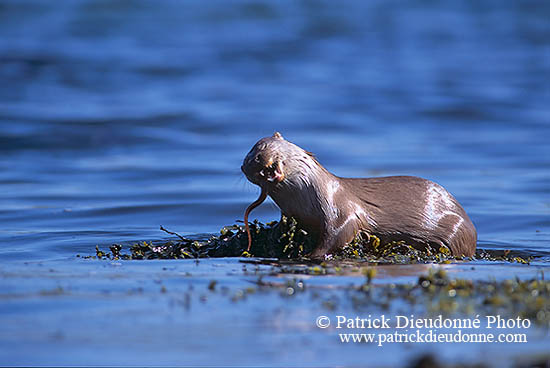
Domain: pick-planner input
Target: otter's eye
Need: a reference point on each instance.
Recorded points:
(257, 159)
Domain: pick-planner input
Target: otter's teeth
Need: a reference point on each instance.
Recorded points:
(262, 173)
(276, 176)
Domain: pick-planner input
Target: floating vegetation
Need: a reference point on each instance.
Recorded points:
(284, 246)
(286, 240)
(368, 247)
(282, 240)
(434, 294)
(440, 294)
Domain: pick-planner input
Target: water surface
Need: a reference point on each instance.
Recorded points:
(118, 117)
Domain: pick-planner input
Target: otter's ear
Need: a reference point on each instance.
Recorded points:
(277, 135)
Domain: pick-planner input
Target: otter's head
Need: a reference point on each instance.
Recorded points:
(263, 165)
(274, 160)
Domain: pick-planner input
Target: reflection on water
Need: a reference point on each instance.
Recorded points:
(117, 117)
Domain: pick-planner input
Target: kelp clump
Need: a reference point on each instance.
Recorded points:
(285, 239)
(370, 248)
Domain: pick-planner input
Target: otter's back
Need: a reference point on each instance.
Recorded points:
(417, 210)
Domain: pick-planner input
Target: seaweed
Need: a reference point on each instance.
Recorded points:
(433, 294)
(278, 239)
(440, 294)
(287, 240)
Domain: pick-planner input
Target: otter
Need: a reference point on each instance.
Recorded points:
(333, 209)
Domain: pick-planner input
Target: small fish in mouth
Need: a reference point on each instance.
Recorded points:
(256, 203)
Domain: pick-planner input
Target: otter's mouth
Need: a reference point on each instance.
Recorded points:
(270, 172)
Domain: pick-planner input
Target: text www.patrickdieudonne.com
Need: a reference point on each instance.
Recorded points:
(409, 329)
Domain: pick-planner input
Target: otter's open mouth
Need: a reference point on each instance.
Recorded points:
(272, 172)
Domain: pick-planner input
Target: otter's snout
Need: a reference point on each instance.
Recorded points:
(259, 170)
(262, 165)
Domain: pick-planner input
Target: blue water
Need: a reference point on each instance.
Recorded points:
(117, 117)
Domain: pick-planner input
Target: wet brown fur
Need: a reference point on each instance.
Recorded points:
(334, 209)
